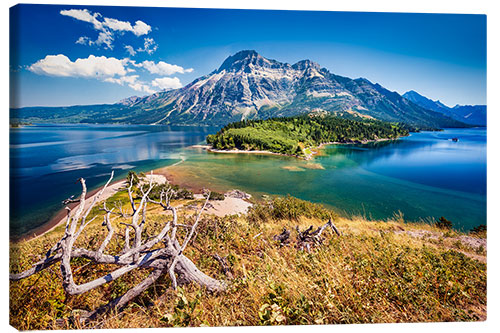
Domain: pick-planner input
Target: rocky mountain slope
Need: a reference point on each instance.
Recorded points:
(469, 114)
(249, 86)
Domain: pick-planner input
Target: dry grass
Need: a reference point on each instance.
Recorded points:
(373, 273)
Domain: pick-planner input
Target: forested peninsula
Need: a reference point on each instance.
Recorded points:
(297, 135)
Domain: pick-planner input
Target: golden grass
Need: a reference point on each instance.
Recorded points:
(374, 273)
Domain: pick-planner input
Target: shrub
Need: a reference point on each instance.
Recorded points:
(184, 193)
(216, 196)
(289, 208)
(443, 223)
(480, 230)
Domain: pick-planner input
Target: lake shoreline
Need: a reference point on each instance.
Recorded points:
(60, 217)
(200, 181)
(229, 205)
(267, 152)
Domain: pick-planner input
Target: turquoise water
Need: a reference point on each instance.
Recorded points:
(425, 175)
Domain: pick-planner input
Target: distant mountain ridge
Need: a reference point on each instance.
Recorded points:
(469, 114)
(249, 86)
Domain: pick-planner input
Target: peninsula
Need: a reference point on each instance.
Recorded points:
(296, 136)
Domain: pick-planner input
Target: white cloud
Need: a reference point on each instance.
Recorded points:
(140, 28)
(123, 79)
(139, 86)
(91, 67)
(115, 24)
(112, 70)
(163, 68)
(106, 38)
(130, 50)
(133, 82)
(106, 26)
(84, 40)
(85, 16)
(167, 83)
(150, 46)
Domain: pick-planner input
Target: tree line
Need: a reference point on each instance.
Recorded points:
(291, 135)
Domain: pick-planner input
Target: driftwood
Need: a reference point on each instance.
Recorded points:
(136, 253)
(307, 238)
(283, 238)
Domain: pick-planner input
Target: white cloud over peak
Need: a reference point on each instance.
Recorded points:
(139, 86)
(133, 82)
(91, 67)
(166, 83)
(163, 68)
(106, 27)
(123, 79)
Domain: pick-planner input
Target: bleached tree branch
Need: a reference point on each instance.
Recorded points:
(168, 259)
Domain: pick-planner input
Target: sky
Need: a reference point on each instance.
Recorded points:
(72, 55)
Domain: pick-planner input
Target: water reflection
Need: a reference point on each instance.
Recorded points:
(46, 160)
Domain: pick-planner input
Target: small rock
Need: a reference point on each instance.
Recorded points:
(237, 194)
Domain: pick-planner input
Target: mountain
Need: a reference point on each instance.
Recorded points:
(249, 86)
(469, 114)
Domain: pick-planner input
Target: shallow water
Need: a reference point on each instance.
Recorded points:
(424, 175)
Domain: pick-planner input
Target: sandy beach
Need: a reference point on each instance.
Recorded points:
(229, 206)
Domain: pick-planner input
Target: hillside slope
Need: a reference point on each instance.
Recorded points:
(375, 272)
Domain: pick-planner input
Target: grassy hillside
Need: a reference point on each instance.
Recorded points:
(292, 135)
(383, 271)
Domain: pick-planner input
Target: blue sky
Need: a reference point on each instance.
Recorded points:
(68, 55)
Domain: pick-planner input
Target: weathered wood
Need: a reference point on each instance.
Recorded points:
(283, 238)
(138, 255)
(308, 238)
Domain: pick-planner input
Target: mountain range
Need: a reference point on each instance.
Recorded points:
(250, 86)
(469, 114)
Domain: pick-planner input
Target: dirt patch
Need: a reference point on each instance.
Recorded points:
(474, 243)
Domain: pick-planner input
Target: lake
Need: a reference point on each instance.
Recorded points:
(425, 175)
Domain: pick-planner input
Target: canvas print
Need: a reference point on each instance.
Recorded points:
(226, 167)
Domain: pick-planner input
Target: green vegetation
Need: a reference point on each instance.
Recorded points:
(375, 272)
(295, 135)
(216, 196)
(287, 208)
